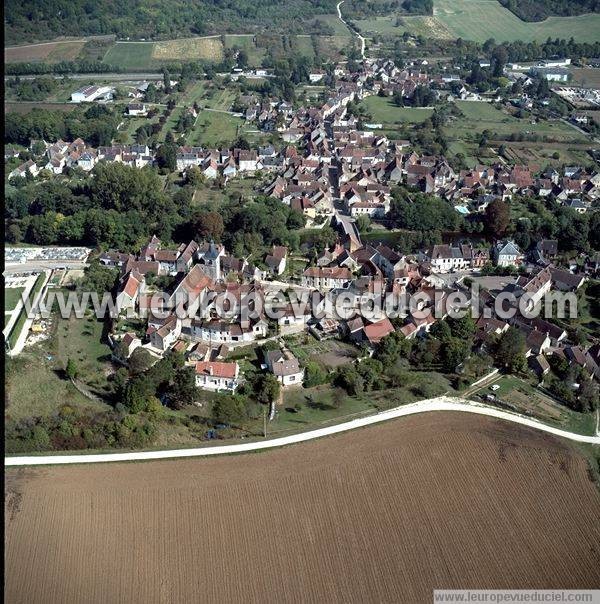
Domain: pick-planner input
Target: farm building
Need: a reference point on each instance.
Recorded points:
(87, 94)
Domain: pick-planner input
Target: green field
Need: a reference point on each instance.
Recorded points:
(131, 55)
(479, 116)
(383, 111)
(480, 20)
(12, 296)
(215, 128)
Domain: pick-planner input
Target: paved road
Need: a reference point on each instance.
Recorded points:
(42, 265)
(436, 404)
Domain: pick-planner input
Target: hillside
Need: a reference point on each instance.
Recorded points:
(538, 10)
(157, 19)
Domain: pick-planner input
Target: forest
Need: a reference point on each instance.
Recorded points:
(142, 19)
(538, 10)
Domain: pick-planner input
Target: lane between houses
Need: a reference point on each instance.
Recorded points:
(437, 404)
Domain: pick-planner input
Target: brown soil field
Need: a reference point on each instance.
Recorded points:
(382, 514)
(50, 52)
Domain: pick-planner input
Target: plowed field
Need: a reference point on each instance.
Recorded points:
(382, 514)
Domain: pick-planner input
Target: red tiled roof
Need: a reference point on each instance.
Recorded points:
(217, 369)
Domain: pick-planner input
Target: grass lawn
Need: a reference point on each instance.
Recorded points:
(132, 124)
(214, 128)
(35, 387)
(131, 55)
(80, 340)
(479, 20)
(247, 43)
(383, 111)
(12, 297)
(528, 399)
(480, 116)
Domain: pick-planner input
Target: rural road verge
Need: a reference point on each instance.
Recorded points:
(436, 404)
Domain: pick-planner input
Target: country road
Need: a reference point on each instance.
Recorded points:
(437, 404)
(362, 40)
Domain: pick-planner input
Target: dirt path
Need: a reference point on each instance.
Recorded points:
(362, 40)
(442, 403)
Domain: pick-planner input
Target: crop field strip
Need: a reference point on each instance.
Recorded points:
(383, 514)
(479, 20)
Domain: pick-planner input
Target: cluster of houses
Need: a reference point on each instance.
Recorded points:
(78, 154)
(361, 273)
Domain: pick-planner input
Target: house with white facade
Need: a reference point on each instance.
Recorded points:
(216, 375)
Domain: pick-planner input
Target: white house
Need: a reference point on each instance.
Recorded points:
(507, 253)
(137, 110)
(215, 375)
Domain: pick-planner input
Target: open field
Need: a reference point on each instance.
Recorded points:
(213, 128)
(383, 514)
(48, 52)
(588, 77)
(384, 111)
(131, 55)
(207, 49)
(479, 20)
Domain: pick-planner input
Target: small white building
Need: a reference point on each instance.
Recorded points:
(216, 375)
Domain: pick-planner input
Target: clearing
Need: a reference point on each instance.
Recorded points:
(47, 52)
(479, 20)
(386, 513)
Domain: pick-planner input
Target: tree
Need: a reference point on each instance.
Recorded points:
(194, 176)
(166, 156)
(229, 410)
(510, 350)
(497, 218)
(348, 378)
(314, 374)
(184, 390)
(463, 328)
(363, 223)
(454, 353)
(209, 225)
(71, 370)
(140, 361)
(267, 388)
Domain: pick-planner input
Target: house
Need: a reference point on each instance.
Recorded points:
(247, 161)
(375, 332)
(132, 285)
(163, 337)
(217, 375)
(129, 342)
(537, 342)
(539, 365)
(137, 110)
(446, 258)
(507, 253)
(336, 277)
(276, 260)
(285, 367)
(29, 167)
(566, 281)
(316, 75)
